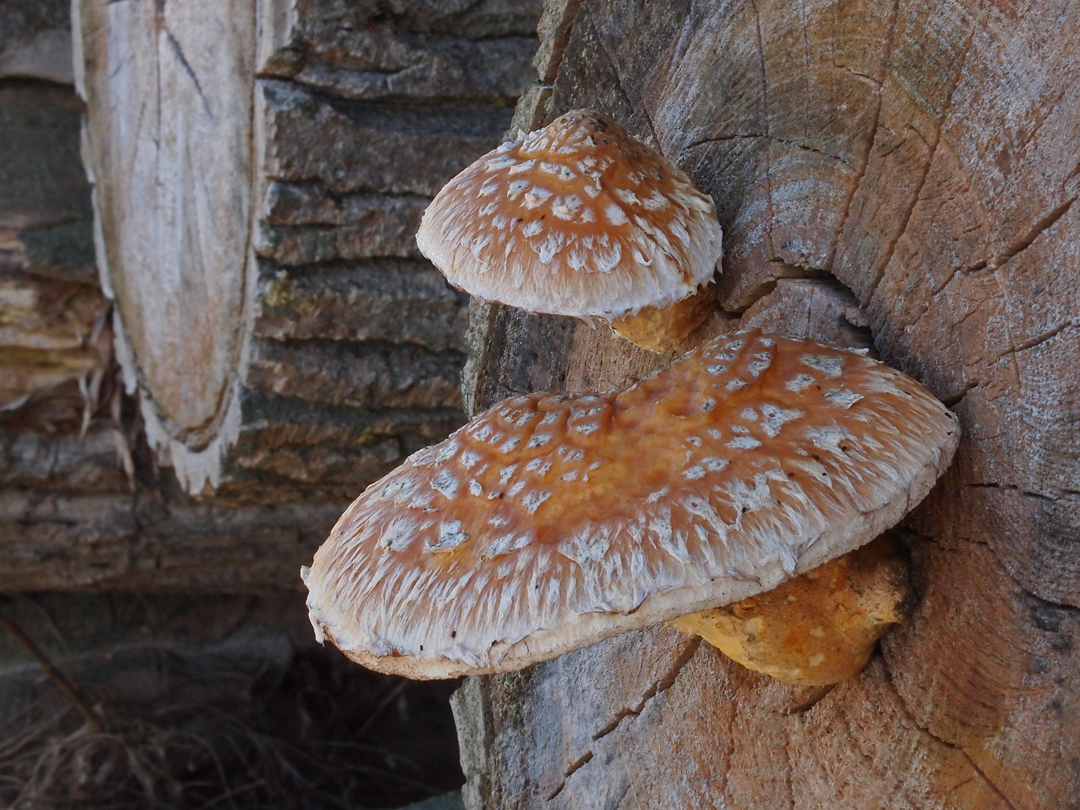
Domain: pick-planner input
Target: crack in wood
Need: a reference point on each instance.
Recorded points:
(864, 160)
(982, 264)
(1040, 227)
(721, 139)
(875, 126)
(1040, 339)
(967, 315)
(657, 688)
(811, 702)
(879, 273)
(622, 88)
(958, 397)
(1072, 610)
(795, 272)
(979, 771)
(807, 94)
(871, 80)
(1014, 488)
(617, 803)
(789, 777)
(770, 214)
(178, 52)
(575, 766)
(770, 139)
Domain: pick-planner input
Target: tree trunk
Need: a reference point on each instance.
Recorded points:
(897, 174)
(260, 170)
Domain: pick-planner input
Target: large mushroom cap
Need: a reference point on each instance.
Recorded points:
(577, 219)
(553, 521)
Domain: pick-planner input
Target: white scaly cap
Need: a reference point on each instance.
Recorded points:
(550, 522)
(576, 219)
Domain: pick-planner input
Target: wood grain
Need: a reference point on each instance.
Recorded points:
(260, 171)
(349, 342)
(163, 82)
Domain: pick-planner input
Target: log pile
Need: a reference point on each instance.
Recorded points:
(285, 337)
(281, 219)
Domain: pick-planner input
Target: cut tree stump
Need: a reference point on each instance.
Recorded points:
(259, 173)
(896, 175)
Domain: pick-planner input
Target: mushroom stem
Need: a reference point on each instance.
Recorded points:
(819, 628)
(661, 329)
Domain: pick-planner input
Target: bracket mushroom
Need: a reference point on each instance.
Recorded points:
(552, 521)
(580, 219)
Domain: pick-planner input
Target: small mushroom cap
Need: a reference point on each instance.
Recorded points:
(576, 219)
(551, 522)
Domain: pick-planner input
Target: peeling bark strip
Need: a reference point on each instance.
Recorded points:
(259, 171)
(900, 176)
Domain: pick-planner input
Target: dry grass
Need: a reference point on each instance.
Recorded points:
(159, 728)
(195, 759)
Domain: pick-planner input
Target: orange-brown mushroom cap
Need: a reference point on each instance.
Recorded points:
(576, 219)
(550, 522)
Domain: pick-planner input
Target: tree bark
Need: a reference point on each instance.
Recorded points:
(260, 171)
(897, 175)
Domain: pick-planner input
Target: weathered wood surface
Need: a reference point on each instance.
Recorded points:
(71, 518)
(260, 173)
(896, 173)
(356, 342)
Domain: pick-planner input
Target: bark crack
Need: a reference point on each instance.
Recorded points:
(657, 688)
(1041, 226)
(864, 161)
(879, 271)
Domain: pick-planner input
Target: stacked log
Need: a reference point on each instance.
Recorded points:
(347, 346)
(259, 176)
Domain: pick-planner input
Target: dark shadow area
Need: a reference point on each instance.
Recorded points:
(223, 702)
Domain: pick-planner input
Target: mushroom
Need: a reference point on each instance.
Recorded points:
(580, 219)
(819, 628)
(552, 521)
